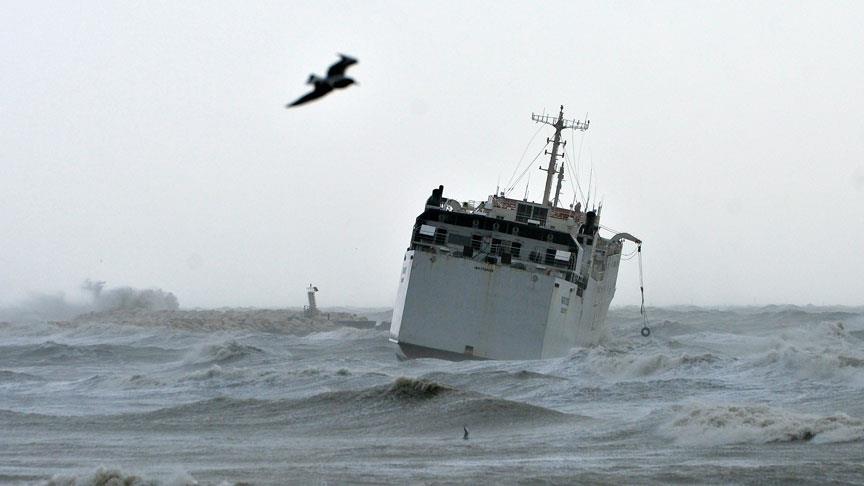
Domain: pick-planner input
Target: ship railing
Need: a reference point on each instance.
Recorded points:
(569, 272)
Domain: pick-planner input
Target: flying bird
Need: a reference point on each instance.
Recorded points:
(335, 79)
(465, 428)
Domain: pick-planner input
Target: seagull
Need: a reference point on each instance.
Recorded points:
(335, 79)
(466, 432)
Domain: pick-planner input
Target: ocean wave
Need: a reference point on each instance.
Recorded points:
(143, 381)
(822, 351)
(800, 316)
(7, 376)
(104, 476)
(634, 363)
(810, 362)
(517, 384)
(709, 425)
(340, 333)
(50, 352)
(850, 361)
(236, 377)
(222, 353)
(232, 351)
(411, 388)
(405, 406)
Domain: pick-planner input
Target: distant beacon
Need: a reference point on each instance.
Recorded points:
(311, 310)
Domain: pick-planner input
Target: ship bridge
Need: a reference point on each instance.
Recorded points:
(505, 231)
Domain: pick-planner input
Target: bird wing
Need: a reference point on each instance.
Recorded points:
(321, 89)
(338, 69)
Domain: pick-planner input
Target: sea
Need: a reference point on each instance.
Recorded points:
(727, 395)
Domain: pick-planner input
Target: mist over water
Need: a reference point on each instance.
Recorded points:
(92, 298)
(742, 395)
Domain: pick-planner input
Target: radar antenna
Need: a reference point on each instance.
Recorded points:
(559, 125)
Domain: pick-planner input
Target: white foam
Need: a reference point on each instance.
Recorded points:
(104, 476)
(631, 363)
(708, 425)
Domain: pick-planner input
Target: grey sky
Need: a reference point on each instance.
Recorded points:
(146, 143)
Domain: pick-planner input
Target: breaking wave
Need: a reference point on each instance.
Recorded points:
(222, 353)
(231, 351)
(822, 351)
(406, 388)
(615, 363)
(759, 424)
(103, 476)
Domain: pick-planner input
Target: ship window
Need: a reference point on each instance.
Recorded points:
(524, 212)
(496, 246)
(440, 236)
(425, 233)
(550, 256)
(515, 248)
(540, 214)
(457, 239)
(476, 241)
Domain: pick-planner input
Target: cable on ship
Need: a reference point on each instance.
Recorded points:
(646, 331)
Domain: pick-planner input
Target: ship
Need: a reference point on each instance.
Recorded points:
(504, 278)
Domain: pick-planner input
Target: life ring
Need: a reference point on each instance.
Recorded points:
(645, 332)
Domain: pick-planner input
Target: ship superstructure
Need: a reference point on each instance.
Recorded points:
(506, 278)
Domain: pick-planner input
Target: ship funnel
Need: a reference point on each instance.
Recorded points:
(436, 197)
(590, 226)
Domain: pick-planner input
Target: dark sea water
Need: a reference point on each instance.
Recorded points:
(767, 395)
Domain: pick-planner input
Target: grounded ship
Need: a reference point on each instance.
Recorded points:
(506, 278)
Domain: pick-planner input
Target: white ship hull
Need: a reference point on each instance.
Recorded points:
(458, 308)
(506, 278)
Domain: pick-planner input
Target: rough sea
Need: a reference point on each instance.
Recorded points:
(770, 395)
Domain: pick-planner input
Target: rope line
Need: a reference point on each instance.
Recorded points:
(519, 164)
(645, 330)
(513, 186)
(574, 177)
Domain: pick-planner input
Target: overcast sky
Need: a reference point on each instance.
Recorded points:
(147, 143)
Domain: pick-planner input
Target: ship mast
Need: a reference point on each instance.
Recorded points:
(559, 125)
(558, 188)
